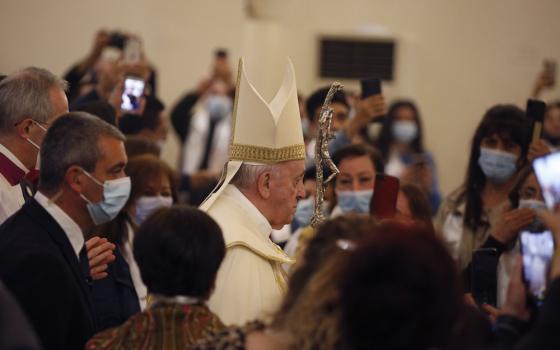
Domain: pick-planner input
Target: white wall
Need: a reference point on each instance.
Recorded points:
(456, 58)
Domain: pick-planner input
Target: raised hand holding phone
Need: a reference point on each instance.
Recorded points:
(371, 108)
(132, 94)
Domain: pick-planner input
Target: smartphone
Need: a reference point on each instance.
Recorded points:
(383, 204)
(370, 87)
(132, 94)
(537, 249)
(484, 276)
(535, 115)
(117, 39)
(132, 50)
(547, 169)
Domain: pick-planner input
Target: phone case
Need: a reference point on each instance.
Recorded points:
(383, 203)
(484, 276)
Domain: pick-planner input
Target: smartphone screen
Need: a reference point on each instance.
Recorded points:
(547, 169)
(484, 276)
(537, 249)
(132, 93)
(383, 203)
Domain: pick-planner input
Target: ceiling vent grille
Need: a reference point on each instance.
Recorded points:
(356, 58)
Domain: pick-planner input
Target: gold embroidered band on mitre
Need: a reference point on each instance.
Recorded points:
(265, 154)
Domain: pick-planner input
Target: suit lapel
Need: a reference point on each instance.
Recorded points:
(47, 222)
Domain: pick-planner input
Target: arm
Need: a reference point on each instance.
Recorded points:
(15, 330)
(77, 72)
(182, 113)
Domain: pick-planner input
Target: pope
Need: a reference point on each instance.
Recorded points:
(261, 185)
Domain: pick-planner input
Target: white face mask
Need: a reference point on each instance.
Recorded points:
(405, 131)
(38, 161)
(146, 205)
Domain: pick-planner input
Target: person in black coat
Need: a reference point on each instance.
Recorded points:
(43, 260)
(16, 332)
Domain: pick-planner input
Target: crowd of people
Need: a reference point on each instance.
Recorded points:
(104, 245)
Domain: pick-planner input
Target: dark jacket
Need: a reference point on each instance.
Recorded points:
(16, 332)
(114, 297)
(40, 268)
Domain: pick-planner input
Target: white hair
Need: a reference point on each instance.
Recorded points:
(26, 93)
(248, 174)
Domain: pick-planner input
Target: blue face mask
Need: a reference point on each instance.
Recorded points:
(405, 131)
(497, 166)
(146, 205)
(115, 196)
(534, 204)
(218, 107)
(304, 211)
(354, 201)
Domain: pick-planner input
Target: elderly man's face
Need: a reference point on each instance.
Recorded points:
(286, 188)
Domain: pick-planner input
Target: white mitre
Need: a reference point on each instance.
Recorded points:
(262, 132)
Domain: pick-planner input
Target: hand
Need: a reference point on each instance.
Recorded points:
(469, 300)
(537, 149)
(511, 222)
(115, 100)
(544, 80)
(491, 312)
(203, 86)
(101, 40)
(139, 69)
(516, 297)
(550, 220)
(367, 110)
(100, 254)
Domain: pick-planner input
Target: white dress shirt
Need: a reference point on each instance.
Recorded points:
(139, 286)
(68, 225)
(11, 197)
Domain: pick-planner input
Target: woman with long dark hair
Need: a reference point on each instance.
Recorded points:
(478, 214)
(401, 144)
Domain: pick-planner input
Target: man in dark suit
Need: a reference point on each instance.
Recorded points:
(43, 260)
(16, 332)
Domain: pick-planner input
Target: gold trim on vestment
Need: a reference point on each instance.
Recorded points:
(265, 154)
(286, 260)
(275, 263)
